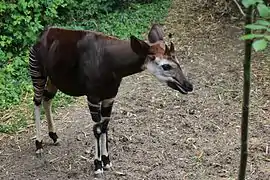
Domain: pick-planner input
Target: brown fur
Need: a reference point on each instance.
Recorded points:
(82, 62)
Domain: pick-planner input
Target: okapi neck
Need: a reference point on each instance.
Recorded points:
(124, 61)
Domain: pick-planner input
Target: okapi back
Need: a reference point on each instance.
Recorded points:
(70, 58)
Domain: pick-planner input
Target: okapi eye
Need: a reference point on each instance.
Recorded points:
(166, 67)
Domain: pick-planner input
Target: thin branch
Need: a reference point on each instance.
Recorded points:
(246, 95)
(239, 7)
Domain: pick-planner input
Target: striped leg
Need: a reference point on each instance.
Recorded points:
(95, 109)
(48, 95)
(39, 81)
(106, 109)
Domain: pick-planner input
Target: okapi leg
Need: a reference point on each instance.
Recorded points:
(39, 147)
(39, 81)
(95, 108)
(106, 109)
(48, 95)
(38, 89)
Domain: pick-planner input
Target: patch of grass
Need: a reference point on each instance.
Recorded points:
(20, 116)
(134, 20)
(13, 126)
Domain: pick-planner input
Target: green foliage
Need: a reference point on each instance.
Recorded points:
(261, 28)
(13, 127)
(260, 44)
(121, 18)
(248, 3)
(134, 20)
(21, 22)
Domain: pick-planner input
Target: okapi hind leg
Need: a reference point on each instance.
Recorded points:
(48, 96)
(39, 81)
(39, 85)
(39, 146)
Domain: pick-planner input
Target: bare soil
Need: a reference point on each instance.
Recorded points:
(157, 133)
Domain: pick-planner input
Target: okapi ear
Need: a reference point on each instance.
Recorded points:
(172, 50)
(138, 46)
(156, 34)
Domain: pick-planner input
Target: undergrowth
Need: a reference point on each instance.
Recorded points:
(16, 106)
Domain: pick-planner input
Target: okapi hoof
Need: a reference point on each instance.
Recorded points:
(54, 137)
(39, 148)
(107, 165)
(98, 168)
(98, 173)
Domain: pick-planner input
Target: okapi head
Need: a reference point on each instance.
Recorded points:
(161, 60)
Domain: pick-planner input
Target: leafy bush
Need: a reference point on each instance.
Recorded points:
(20, 21)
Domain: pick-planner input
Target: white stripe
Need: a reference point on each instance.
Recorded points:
(103, 119)
(107, 102)
(38, 124)
(93, 105)
(32, 59)
(96, 147)
(104, 150)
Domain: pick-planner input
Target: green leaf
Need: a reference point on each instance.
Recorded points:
(267, 37)
(262, 22)
(264, 11)
(248, 3)
(251, 36)
(255, 26)
(259, 44)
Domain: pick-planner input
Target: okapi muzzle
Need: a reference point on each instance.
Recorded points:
(183, 87)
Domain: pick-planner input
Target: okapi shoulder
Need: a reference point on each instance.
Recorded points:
(86, 42)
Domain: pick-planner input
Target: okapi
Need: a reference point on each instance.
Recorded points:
(91, 64)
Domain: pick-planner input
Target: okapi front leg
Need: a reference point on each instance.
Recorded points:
(47, 104)
(106, 109)
(95, 110)
(48, 95)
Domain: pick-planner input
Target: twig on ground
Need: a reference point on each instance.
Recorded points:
(239, 7)
(120, 173)
(52, 160)
(85, 158)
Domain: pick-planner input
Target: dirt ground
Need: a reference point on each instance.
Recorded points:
(157, 133)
